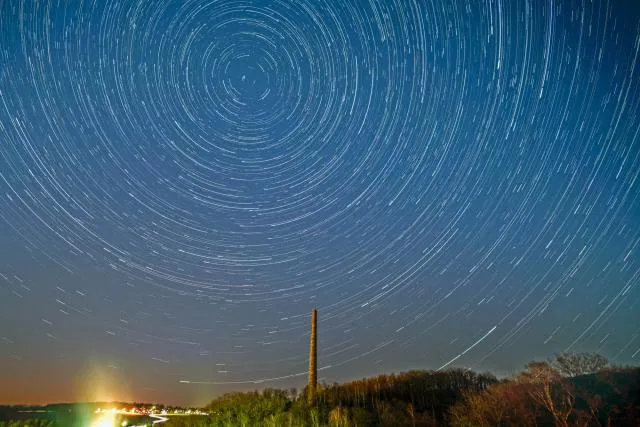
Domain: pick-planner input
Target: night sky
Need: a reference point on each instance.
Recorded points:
(450, 183)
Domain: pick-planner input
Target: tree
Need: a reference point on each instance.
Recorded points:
(574, 364)
(550, 391)
(507, 403)
(360, 417)
(411, 410)
(339, 417)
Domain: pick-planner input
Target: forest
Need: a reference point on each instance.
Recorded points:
(580, 389)
(569, 390)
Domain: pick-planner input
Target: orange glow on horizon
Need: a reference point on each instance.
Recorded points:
(100, 383)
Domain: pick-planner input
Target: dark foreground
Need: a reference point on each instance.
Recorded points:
(571, 390)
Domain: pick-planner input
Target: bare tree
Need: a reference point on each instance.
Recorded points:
(550, 391)
(574, 364)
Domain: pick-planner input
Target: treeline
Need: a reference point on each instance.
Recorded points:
(412, 398)
(570, 390)
(416, 397)
(542, 396)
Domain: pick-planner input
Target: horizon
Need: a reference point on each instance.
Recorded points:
(181, 183)
(299, 392)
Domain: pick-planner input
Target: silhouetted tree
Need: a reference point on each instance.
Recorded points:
(574, 364)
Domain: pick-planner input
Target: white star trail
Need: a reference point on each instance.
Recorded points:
(182, 181)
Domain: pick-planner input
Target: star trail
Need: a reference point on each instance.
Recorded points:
(450, 183)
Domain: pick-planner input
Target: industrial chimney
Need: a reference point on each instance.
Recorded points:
(313, 355)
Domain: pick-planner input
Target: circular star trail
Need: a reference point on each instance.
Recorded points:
(448, 182)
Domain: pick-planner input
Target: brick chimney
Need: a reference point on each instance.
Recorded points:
(313, 355)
